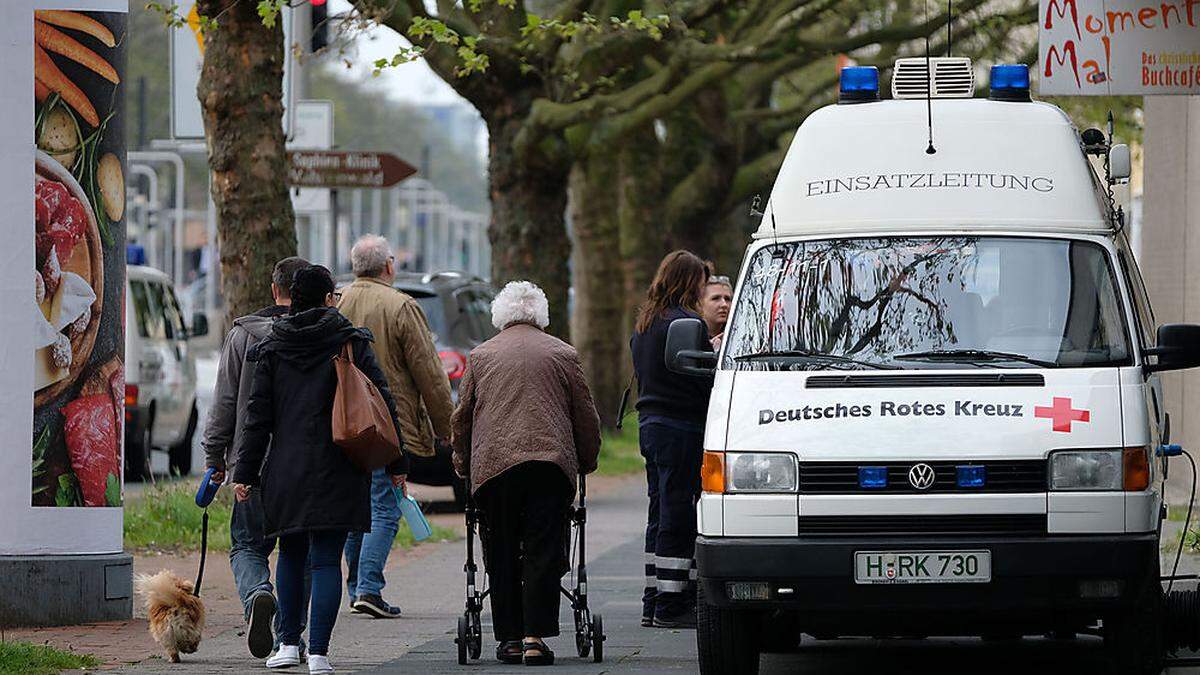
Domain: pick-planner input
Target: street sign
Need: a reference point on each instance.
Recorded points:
(346, 169)
(314, 131)
(1118, 47)
(187, 57)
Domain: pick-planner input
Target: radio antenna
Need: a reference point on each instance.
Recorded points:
(949, 26)
(929, 86)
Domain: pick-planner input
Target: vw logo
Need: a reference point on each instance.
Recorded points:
(922, 476)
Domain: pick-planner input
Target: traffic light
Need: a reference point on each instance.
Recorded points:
(320, 25)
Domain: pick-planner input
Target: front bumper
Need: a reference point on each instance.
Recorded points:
(1034, 579)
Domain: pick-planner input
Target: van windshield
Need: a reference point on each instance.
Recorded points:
(927, 302)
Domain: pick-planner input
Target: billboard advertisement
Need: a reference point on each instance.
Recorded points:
(1119, 47)
(62, 275)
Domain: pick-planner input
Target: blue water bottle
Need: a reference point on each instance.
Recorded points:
(412, 513)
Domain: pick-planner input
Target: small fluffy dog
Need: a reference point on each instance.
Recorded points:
(176, 616)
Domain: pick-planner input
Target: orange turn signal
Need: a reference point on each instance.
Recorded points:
(712, 472)
(1136, 461)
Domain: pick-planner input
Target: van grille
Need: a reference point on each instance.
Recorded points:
(1015, 475)
(925, 380)
(953, 77)
(1014, 524)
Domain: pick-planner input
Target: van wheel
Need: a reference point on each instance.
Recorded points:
(1133, 640)
(181, 452)
(727, 639)
(137, 457)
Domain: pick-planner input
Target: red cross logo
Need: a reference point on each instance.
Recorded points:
(1062, 414)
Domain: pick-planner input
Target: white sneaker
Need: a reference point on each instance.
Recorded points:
(287, 657)
(318, 663)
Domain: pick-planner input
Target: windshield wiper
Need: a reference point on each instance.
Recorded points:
(814, 356)
(973, 355)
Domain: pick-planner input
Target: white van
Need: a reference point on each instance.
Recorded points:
(160, 372)
(937, 408)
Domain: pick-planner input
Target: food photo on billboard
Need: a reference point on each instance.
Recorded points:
(78, 304)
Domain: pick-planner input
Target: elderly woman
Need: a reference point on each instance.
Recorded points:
(526, 427)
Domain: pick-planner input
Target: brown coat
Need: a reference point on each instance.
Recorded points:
(405, 350)
(524, 399)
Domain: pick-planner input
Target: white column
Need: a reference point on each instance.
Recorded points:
(1170, 239)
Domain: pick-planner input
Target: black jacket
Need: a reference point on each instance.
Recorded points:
(660, 391)
(307, 482)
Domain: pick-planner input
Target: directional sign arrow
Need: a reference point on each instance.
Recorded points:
(346, 169)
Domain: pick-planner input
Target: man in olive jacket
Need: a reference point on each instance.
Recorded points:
(404, 348)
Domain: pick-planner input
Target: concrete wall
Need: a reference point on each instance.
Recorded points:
(1170, 241)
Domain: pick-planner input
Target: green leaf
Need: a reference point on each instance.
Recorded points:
(68, 491)
(112, 490)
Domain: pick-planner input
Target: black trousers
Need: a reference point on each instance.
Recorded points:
(673, 456)
(525, 533)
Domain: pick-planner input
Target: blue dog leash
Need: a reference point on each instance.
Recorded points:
(204, 496)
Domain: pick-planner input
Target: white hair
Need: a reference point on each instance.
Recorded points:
(520, 301)
(369, 257)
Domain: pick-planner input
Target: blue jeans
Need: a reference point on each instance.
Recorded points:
(366, 554)
(320, 550)
(249, 554)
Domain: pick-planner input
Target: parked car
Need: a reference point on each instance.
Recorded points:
(160, 373)
(458, 307)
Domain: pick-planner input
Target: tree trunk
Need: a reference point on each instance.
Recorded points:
(599, 325)
(241, 91)
(528, 230)
(643, 238)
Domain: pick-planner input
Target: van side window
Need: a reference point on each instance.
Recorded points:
(158, 304)
(174, 313)
(1141, 299)
(149, 318)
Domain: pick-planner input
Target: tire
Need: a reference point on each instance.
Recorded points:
(727, 639)
(137, 457)
(1133, 641)
(597, 639)
(181, 453)
(780, 633)
(461, 640)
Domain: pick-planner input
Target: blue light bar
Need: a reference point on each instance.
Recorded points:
(971, 476)
(1010, 82)
(858, 84)
(135, 254)
(872, 477)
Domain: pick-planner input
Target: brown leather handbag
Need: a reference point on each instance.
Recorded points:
(362, 423)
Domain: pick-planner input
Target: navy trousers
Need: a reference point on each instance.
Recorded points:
(673, 456)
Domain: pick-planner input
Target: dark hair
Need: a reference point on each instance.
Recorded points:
(285, 270)
(676, 284)
(310, 286)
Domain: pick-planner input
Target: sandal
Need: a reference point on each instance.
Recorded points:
(510, 652)
(537, 653)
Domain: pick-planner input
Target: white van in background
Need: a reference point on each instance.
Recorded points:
(937, 408)
(160, 373)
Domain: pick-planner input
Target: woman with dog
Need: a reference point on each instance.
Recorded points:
(526, 427)
(312, 495)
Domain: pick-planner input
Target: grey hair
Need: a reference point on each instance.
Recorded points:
(369, 257)
(520, 302)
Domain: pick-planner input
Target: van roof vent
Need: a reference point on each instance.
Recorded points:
(953, 77)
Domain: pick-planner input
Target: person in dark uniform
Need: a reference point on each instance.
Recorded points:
(671, 412)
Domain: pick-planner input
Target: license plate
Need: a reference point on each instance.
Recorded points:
(922, 567)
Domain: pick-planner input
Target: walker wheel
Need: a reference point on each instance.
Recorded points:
(583, 640)
(598, 638)
(475, 644)
(461, 640)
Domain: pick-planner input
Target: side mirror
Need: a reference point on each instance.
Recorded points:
(687, 352)
(199, 325)
(1120, 166)
(1178, 347)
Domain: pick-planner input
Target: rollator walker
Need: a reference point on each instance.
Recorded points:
(589, 627)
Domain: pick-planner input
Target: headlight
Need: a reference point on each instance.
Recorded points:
(761, 471)
(1086, 470)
